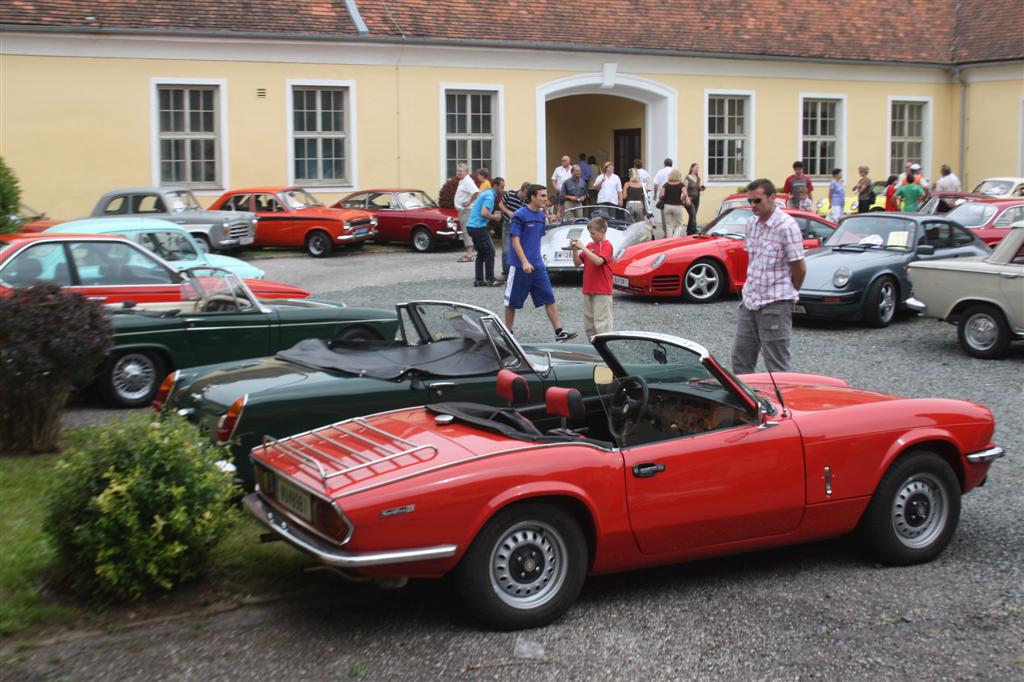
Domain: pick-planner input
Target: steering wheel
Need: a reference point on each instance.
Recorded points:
(580, 221)
(627, 406)
(217, 303)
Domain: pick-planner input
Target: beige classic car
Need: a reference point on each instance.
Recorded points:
(984, 297)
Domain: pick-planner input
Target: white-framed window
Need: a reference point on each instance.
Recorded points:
(321, 133)
(909, 132)
(189, 132)
(729, 137)
(822, 134)
(471, 128)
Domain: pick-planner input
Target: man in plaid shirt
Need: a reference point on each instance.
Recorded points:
(774, 275)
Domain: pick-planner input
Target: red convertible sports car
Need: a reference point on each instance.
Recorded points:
(702, 267)
(406, 215)
(291, 216)
(990, 219)
(674, 459)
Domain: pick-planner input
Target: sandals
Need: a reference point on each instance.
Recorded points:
(467, 259)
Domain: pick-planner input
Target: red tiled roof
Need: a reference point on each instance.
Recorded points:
(916, 31)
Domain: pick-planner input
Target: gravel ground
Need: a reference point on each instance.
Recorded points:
(820, 611)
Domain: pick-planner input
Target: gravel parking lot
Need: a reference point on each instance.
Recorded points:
(818, 611)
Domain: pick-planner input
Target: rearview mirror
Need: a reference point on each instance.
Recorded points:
(603, 376)
(925, 250)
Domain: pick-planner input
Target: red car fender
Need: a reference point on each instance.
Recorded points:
(333, 229)
(931, 436)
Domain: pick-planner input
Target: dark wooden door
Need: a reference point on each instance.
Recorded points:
(627, 148)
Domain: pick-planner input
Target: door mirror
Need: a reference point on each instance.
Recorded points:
(925, 250)
(603, 376)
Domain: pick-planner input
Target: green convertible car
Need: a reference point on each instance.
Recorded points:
(218, 319)
(443, 351)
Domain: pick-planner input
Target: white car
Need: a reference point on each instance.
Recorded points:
(1001, 188)
(623, 232)
(984, 297)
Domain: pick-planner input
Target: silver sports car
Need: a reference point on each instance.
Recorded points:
(623, 232)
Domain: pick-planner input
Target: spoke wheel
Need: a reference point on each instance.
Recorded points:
(422, 240)
(703, 282)
(318, 244)
(880, 302)
(133, 378)
(983, 332)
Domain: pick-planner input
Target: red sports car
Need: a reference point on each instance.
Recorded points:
(702, 267)
(406, 215)
(291, 216)
(674, 459)
(107, 268)
(990, 219)
(740, 201)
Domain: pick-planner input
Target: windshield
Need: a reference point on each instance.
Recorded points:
(216, 290)
(972, 213)
(296, 199)
(182, 201)
(171, 246)
(871, 232)
(733, 223)
(618, 218)
(415, 199)
(994, 187)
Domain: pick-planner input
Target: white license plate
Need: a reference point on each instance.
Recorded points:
(799, 309)
(294, 498)
(362, 230)
(563, 255)
(620, 281)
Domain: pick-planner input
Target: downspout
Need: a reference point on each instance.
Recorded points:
(959, 75)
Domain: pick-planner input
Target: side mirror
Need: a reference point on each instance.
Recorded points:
(925, 250)
(603, 376)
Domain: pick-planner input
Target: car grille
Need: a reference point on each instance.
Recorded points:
(665, 283)
(359, 222)
(239, 230)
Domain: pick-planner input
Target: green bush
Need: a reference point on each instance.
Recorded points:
(137, 508)
(10, 199)
(49, 340)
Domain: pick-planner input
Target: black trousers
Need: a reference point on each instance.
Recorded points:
(484, 253)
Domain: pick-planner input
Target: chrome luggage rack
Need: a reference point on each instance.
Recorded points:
(387, 450)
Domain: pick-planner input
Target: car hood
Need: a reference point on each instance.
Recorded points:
(812, 392)
(822, 263)
(637, 259)
(332, 213)
(268, 288)
(199, 216)
(235, 265)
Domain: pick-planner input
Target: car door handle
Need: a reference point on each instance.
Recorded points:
(439, 386)
(98, 299)
(647, 469)
(1010, 275)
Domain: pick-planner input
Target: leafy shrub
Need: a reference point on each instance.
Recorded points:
(49, 339)
(446, 197)
(138, 507)
(10, 199)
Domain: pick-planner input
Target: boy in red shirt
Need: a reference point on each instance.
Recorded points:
(596, 261)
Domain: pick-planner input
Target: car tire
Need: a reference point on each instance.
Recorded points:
(914, 512)
(703, 282)
(131, 378)
(880, 302)
(357, 334)
(550, 552)
(204, 241)
(983, 332)
(318, 244)
(422, 240)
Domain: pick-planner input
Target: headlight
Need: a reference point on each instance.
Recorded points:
(821, 203)
(658, 260)
(346, 224)
(452, 224)
(841, 277)
(373, 221)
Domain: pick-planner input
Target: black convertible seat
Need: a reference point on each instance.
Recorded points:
(507, 422)
(386, 360)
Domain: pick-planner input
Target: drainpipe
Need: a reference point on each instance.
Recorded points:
(962, 80)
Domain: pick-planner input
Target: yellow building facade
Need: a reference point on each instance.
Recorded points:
(84, 114)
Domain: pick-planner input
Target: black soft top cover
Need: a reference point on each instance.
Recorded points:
(388, 360)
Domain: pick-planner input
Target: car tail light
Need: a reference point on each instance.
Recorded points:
(226, 425)
(164, 391)
(327, 520)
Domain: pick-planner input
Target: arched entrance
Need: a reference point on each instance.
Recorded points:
(657, 113)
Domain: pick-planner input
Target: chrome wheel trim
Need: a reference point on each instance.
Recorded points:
(886, 301)
(132, 376)
(421, 240)
(920, 511)
(528, 565)
(317, 244)
(702, 280)
(981, 331)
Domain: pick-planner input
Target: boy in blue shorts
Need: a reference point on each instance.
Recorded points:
(527, 275)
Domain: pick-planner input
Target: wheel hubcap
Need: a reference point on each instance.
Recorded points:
(919, 512)
(702, 281)
(421, 241)
(528, 565)
(886, 302)
(133, 376)
(981, 331)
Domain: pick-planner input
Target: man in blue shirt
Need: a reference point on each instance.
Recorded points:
(482, 211)
(527, 275)
(585, 171)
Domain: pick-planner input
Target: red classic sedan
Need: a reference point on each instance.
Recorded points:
(106, 268)
(291, 216)
(990, 219)
(674, 459)
(406, 215)
(702, 267)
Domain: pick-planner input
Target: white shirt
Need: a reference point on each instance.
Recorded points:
(948, 183)
(661, 177)
(465, 192)
(608, 188)
(560, 175)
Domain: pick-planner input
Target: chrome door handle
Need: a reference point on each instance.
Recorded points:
(1009, 275)
(647, 469)
(439, 386)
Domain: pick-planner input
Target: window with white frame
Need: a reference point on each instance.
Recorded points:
(470, 130)
(320, 135)
(820, 136)
(906, 134)
(188, 135)
(728, 137)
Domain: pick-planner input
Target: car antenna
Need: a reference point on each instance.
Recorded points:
(778, 393)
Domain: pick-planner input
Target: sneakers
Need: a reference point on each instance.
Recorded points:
(479, 283)
(488, 283)
(562, 335)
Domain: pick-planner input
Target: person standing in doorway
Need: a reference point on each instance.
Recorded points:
(527, 275)
(574, 191)
(634, 196)
(775, 273)
(661, 177)
(608, 186)
(795, 181)
(585, 173)
(693, 189)
(464, 196)
(596, 261)
(483, 210)
(562, 173)
(673, 198)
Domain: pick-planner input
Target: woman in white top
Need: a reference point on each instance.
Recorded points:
(608, 186)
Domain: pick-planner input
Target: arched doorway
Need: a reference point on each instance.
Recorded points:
(608, 102)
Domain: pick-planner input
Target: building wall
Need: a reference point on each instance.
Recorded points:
(76, 121)
(995, 123)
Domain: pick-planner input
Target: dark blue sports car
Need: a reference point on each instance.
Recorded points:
(860, 273)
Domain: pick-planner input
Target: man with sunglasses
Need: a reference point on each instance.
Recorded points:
(775, 272)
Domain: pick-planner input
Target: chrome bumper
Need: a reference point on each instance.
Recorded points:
(989, 455)
(448, 233)
(916, 305)
(332, 556)
(349, 237)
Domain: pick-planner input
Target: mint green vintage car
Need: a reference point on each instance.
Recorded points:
(443, 352)
(219, 320)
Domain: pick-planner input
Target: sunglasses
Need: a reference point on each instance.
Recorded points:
(755, 201)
